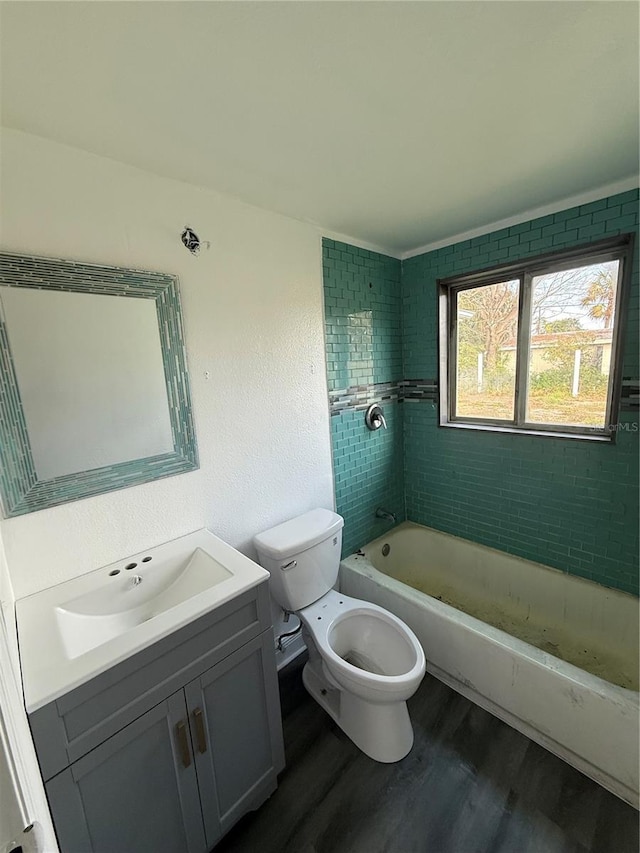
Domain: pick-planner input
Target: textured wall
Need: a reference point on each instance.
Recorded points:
(252, 309)
(364, 365)
(567, 503)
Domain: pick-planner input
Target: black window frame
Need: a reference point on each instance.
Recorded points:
(620, 248)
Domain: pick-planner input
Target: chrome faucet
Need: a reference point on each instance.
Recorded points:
(373, 417)
(382, 513)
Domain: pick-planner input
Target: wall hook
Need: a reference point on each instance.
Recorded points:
(373, 417)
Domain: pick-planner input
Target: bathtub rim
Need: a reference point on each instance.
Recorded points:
(410, 525)
(361, 564)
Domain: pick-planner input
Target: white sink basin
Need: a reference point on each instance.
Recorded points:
(71, 632)
(134, 597)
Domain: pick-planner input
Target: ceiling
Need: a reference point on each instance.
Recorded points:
(396, 123)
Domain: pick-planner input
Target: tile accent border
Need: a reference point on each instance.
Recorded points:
(20, 488)
(360, 397)
(420, 389)
(630, 395)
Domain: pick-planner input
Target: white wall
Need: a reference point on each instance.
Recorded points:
(22, 796)
(253, 323)
(7, 611)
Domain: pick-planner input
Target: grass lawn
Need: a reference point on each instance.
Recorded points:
(545, 407)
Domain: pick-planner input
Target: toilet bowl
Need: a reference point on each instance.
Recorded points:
(364, 662)
(368, 664)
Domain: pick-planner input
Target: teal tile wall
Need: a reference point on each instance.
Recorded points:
(363, 338)
(363, 322)
(368, 472)
(570, 504)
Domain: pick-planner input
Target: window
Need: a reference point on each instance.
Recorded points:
(535, 346)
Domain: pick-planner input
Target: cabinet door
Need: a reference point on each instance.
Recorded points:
(135, 793)
(234, 713)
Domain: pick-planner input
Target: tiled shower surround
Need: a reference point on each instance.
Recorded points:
(566, 503)
(363, 339)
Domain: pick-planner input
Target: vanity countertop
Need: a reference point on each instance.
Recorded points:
(72, 632)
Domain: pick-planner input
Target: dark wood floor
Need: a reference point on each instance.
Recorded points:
(471, 784)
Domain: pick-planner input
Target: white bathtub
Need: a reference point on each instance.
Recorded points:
(584, 708)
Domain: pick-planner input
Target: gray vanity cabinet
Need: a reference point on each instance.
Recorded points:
(233, 727)
(132, 793)
(166, 751)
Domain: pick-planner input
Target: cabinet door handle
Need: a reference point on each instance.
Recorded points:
(183, 743)
(201, 737)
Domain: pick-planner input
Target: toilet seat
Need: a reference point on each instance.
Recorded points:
(366, 649)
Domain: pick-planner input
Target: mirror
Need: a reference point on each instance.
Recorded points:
(94, 392)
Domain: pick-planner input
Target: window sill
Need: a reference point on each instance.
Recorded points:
(602, 437)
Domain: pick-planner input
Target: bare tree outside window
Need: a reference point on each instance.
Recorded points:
(487, 321)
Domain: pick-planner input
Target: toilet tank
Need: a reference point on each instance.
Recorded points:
(302, 556)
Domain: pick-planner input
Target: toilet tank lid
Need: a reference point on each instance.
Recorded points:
(298, 534)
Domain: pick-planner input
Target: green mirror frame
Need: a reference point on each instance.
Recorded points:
(20, 489)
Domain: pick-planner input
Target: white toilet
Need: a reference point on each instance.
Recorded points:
(364, 662)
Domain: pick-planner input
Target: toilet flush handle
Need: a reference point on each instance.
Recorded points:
(290, 565)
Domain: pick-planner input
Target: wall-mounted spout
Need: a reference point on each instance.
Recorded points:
(382, 513)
